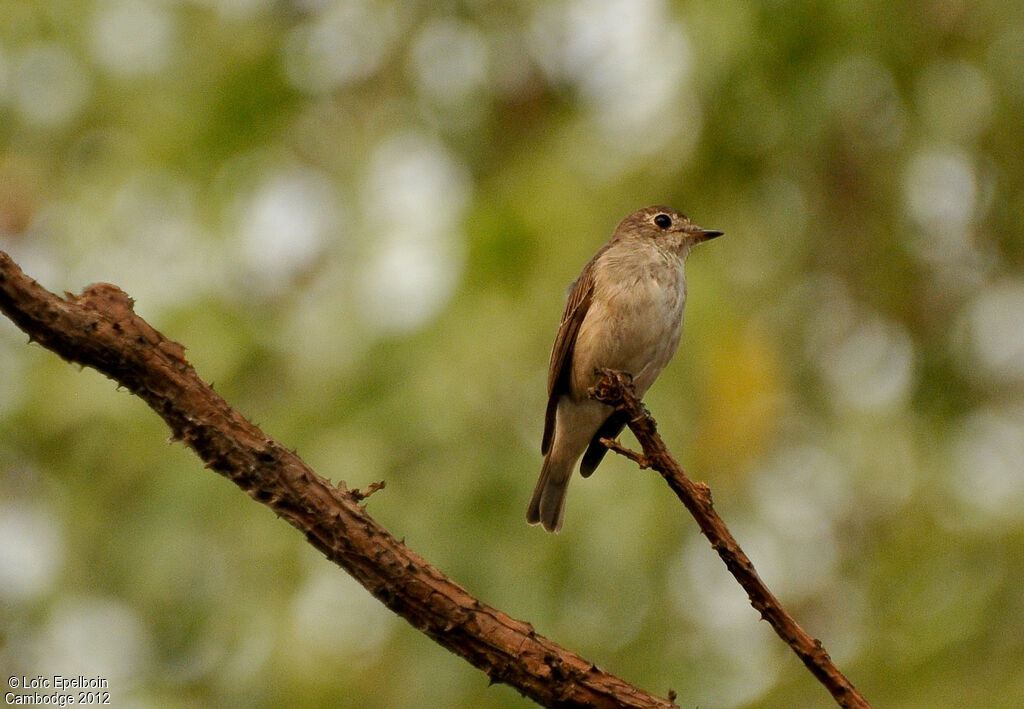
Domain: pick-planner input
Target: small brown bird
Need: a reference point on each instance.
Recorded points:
(624, 312)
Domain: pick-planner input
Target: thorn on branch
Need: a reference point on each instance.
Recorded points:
(704, 492)
(358, 495)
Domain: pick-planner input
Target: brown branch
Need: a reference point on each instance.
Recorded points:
(616, 389)
(99, 329)
(638, 458)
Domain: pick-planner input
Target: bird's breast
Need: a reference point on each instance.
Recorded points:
(633, 324)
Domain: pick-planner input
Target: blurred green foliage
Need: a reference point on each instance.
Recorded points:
(360, 218)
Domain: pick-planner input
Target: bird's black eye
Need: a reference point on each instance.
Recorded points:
(663, 221)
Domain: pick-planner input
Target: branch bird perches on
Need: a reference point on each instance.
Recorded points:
(615, 389)
(100, 329)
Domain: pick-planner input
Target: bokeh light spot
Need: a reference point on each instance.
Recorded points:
(449, 60)
(50, 87)
(343, 43)
(868, 362)
(867, 104)
(333, 616)
(31, 554)
(285, 222)
(987, 455)
(93, 637)
(133, 37)
(955, 99)
(413, 202)
(997, 330)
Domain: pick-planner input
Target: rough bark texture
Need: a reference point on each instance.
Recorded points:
(616, 389)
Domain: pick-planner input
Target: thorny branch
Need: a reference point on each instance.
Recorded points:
(616, 389)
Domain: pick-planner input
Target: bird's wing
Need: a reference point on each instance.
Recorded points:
(560, 367)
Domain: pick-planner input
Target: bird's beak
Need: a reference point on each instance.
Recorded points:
(701, 234)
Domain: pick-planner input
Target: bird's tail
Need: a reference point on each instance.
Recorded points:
(548, 502)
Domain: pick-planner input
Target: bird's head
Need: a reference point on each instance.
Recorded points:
(664, 227)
